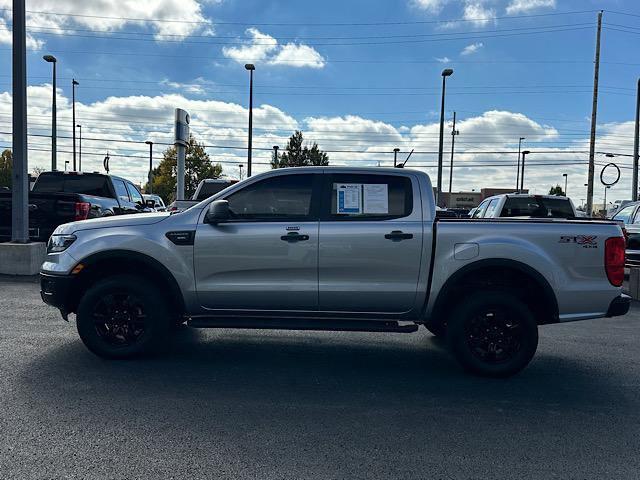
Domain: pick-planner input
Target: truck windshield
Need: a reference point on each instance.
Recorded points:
(537, 207)
(86, 184)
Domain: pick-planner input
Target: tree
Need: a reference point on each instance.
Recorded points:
(557, 190)
(197, 167)
(297, 155)
(6, 163)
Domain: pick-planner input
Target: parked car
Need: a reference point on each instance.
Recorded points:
(62, 197)
(330, 248)
(525, 206)
(206, 188)
(154, 201)
(629, 217)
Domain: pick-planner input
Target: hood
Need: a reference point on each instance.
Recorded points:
(116, 221)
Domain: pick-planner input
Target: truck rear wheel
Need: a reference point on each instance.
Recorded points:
(492, 333)
(121, 317)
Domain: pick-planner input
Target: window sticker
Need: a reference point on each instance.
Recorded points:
(349, 201)
(376, 198)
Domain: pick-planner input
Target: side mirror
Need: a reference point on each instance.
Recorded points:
(218, 212)
(150, 203)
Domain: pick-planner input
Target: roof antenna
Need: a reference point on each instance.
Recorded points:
(407, 159)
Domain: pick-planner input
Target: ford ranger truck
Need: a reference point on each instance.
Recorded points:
(331, 248)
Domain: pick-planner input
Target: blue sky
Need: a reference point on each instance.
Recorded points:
(353, 75)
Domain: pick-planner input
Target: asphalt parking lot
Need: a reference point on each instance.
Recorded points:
(276, 405)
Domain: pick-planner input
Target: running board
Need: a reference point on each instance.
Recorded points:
(302, 324)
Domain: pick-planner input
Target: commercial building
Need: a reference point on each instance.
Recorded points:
(473, 198)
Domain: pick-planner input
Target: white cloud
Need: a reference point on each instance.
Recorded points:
(255, 50)
(444, 59)
(471, 49)
(114, 15)
(525, 6)
(431, 6)
(298, 56)
(478, 14)
(6, 36)
(265, 48)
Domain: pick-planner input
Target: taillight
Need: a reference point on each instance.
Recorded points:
(614, 260)
(82, 210)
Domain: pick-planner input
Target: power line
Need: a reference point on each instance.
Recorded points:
(315, 24)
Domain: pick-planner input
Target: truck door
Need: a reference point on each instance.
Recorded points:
(371, 236)
(266, 256)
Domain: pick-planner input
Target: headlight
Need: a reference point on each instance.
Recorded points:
(59, 243)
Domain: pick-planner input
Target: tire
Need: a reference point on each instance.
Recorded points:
(492, 333)
(122, 316)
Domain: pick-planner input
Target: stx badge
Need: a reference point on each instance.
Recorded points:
(586, 241)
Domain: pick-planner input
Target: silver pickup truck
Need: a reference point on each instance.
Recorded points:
(329, 248)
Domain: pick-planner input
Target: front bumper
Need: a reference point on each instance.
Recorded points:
(56, 291)
(619, 306)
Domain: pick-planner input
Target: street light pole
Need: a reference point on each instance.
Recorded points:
(275, 155)
(73, 101)
(454, 132)
(524, 153)
(518, 169)
(54, 128)
(636, 146)
(447, 72)
(251, 68)
(80, 148)
(566, 178)
(150, 180)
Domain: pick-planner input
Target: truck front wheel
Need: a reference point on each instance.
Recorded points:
(122, 316)
(492, 333)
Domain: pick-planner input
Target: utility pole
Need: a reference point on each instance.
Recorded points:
(454, 132)
(73, 102)
(80, 148)
(594, 113)
(395, 156)
(518, 172)
(524, 153)
(636, 147)
(566, 179)
(150, 175)
(19, 177)
(251, 68)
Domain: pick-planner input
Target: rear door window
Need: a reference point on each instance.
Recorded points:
(121, 190)
(625, 214)
(366, 197)
(480, 210)
(491, 208)
(135, 195)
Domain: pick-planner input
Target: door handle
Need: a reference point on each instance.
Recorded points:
(397, 236)
(293, 237)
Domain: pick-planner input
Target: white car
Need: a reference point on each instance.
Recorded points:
(158, 203)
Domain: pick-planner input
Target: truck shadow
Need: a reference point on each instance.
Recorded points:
(232, 368)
